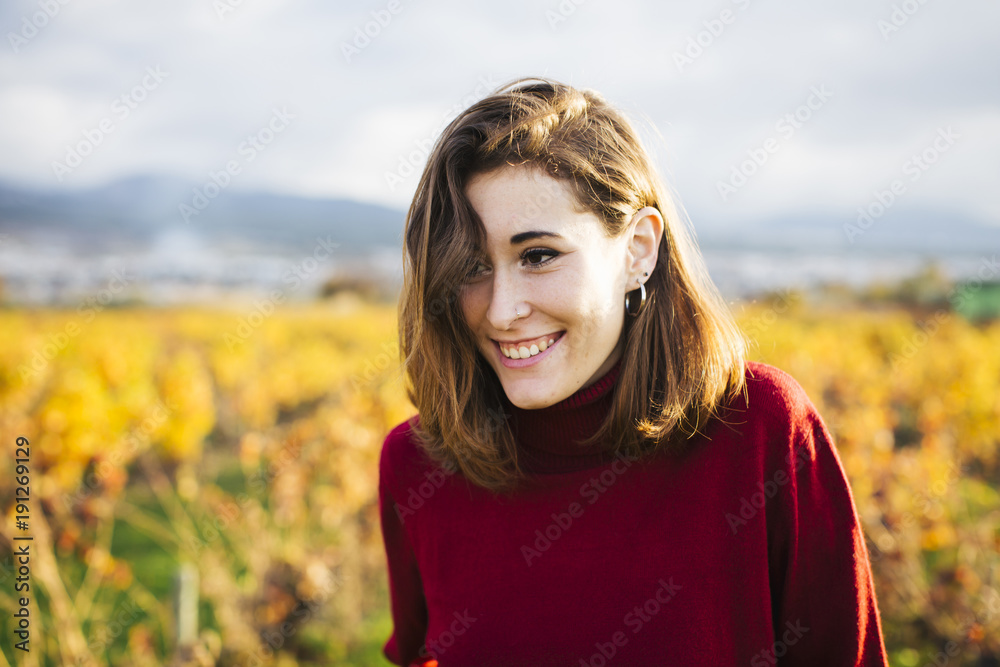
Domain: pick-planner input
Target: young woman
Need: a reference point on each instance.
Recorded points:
(596, 475)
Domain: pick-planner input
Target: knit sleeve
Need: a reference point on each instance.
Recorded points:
(824, 607)
(409, 608)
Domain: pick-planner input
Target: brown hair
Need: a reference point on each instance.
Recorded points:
(683, 353)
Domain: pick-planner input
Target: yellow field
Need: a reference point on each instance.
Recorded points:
(238, 451)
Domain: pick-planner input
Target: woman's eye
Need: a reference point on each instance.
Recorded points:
(474, 271)
(538, 253)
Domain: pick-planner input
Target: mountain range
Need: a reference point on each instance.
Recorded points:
(60, 246)
(138, 209)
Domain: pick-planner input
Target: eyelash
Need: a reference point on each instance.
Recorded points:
(540, 251)
(531, 266)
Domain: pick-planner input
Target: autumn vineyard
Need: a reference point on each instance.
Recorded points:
(204, 481)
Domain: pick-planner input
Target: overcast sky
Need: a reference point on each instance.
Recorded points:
(180, 87)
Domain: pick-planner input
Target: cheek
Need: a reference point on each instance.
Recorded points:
(594, 310)
(604, 323)
(468, 304)
(465, 311)
(604, 316)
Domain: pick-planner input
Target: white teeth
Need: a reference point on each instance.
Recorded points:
(524, 351)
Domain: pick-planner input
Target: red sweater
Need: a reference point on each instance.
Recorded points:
(747, 551)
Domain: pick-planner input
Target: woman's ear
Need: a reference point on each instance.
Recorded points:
(646, 230)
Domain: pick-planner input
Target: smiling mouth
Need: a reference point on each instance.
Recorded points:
(529, 347)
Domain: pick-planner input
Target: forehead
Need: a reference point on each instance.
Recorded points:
(516, 199)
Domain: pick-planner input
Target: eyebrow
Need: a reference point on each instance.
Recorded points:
(528, 236)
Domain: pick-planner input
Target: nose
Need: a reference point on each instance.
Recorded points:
(504, 295)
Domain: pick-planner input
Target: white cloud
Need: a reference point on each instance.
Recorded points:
(355, 119)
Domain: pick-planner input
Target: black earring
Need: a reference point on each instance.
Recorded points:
(642, 300)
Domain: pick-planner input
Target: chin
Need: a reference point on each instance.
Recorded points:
(529, 405)
(529, 400)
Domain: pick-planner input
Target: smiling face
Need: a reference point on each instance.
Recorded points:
(554, 266)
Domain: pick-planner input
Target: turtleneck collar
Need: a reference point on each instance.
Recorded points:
(547, 437)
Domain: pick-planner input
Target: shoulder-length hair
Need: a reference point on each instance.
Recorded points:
(683, 354)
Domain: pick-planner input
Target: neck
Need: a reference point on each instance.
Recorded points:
(548, 438)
